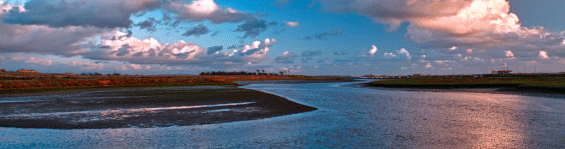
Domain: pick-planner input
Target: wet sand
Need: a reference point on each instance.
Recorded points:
(143, 107)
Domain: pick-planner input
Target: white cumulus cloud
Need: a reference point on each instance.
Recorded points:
(509, 54)
(120, 47)
(373, 50)
(543, 54)
(202, 10)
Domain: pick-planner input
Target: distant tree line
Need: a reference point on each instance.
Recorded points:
(99, 74)
(258, 72)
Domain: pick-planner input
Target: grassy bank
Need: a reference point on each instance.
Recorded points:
(550, 85)
(54, 84)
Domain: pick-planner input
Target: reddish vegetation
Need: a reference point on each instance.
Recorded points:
(77, 82)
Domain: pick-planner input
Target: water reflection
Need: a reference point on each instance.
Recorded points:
(477, 120)
(348, 117)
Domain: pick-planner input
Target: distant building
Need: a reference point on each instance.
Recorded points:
(26, 71)
(368, 76)
(502, 72)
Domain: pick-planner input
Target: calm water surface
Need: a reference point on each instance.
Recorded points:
(348, 117)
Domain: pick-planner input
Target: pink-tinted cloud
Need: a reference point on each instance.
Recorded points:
(39, 61)
(63, 13)
(117, 13)
(85, 65)
(485, 24)
(509, 54)
(42, 39)
(202, 10)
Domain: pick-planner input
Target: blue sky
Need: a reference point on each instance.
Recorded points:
(330, 37)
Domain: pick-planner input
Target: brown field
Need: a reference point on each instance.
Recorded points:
(32, 83)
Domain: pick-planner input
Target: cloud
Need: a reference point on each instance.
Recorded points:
(117, 13)
(457, 17)
(338, 53)
(34, 60)
(486, 28)
(472, 59)
(64, 13)
(66, 41)
(405, 53)
(17, 58)
(484, 24)
(309, 55)
(135, 66)
(281, 3)
(373, 50)
(253, 28)
(150, 51)
(197, 31)
(111, 44)
(149, 24)
(289, 25)
(324, 35)
(389, 55)
(543, 54)
(429, 65)
(214, 49)
(286, 58)
(509, 54)
(86, 65)
(41, 39)
(401, 54)
(202, 10)
(469, 50)
(6, 7)
(214, 34)
(292, 24)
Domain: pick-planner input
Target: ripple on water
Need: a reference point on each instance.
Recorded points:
(348, 117)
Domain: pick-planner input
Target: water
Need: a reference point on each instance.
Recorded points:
(348, 117)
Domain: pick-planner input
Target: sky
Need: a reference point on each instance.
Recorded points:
(302, 37)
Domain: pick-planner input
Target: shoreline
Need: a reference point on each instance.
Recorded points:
(160, 107)
(43, 85)
(495, 90)
(93, 89)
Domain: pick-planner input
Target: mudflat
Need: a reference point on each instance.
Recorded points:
(143, 107)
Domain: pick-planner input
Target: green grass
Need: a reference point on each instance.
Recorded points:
(553, 85)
